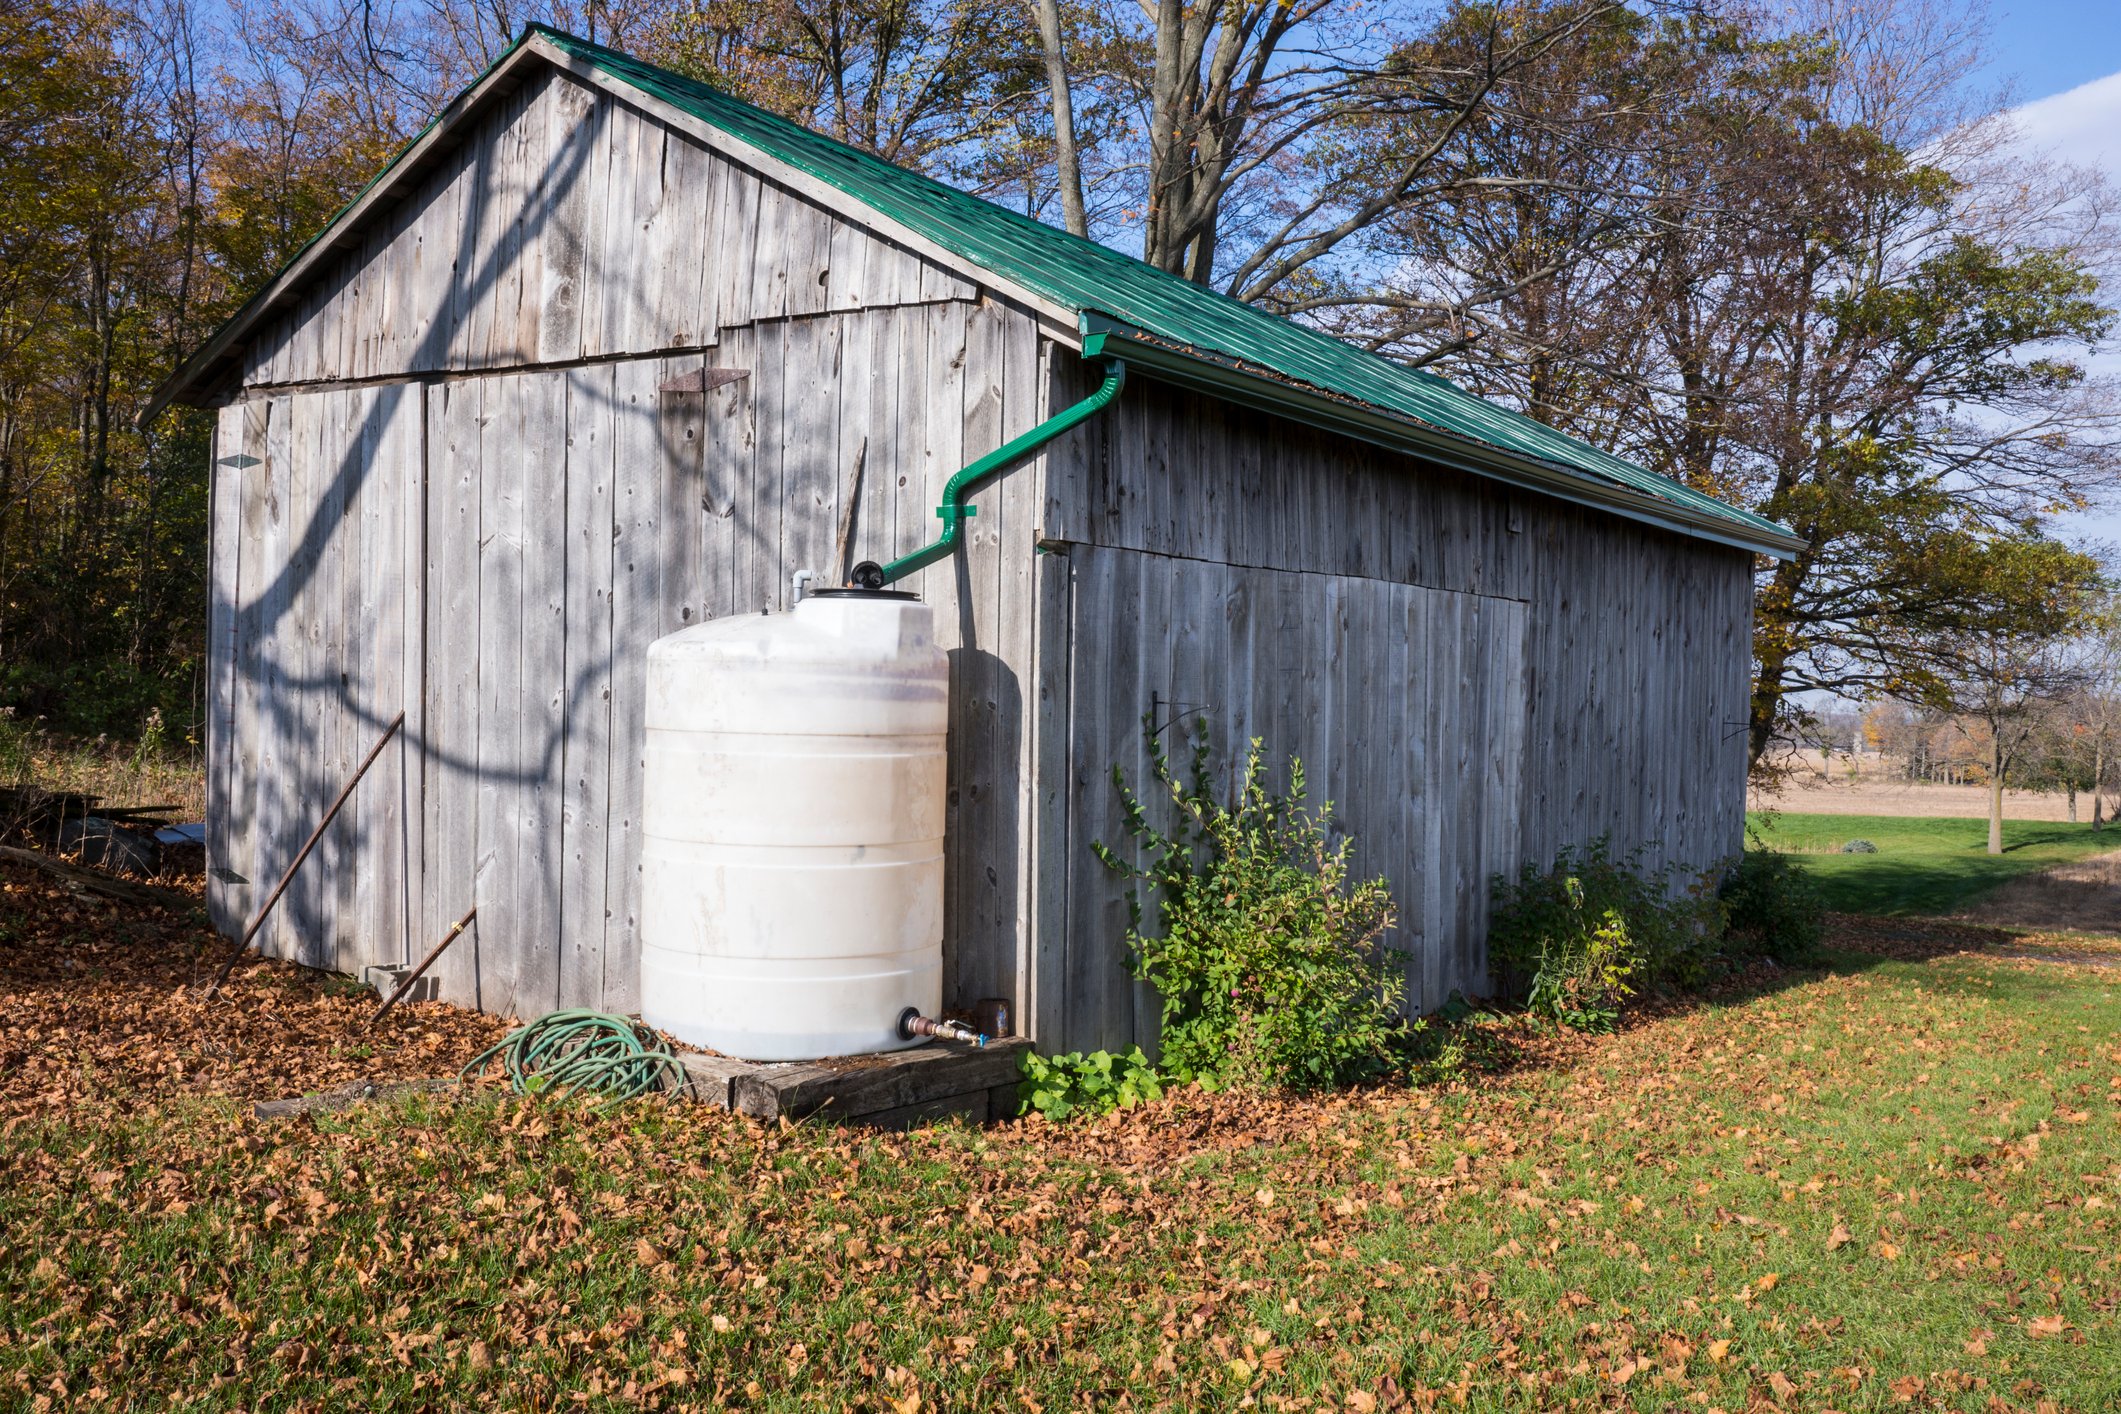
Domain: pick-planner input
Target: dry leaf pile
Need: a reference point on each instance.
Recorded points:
(101, 1003)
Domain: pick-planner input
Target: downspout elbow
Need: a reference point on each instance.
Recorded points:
(954, 512)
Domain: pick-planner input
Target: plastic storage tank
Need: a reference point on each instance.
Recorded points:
(792, 828)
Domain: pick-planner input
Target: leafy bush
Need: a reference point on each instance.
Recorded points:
(1582, 977)
(1269, 958)
(1549, 919)
(1059, 1086)
(1772, 906)
(1859, 847)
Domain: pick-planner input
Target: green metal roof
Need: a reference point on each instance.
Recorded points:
(1171, 327)
(1092, 279)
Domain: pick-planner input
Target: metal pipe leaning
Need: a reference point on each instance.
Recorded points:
(243, 944)
(954, 511)
(405, 982)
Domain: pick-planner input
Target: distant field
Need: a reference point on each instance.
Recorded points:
(1923, 866)
(1886, 794)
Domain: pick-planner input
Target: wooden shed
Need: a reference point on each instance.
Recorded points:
(605, 352)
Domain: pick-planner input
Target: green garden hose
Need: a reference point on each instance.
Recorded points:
(569, 1052)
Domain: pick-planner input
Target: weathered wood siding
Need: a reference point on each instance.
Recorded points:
(1406, 706)
(577, 515)
(1291, 583)
(314, 645)
(574, 226)
(561, 508)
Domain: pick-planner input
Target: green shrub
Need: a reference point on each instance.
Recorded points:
(1581, 980)
(1268, 957)
(1772, 906)
(1549, 918)
(1059, 1086)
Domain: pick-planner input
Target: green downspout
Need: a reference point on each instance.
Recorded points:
(954, 511)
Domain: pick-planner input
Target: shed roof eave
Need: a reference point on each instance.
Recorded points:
(1201, 373)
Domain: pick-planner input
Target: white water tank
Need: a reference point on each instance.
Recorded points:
(792, 828)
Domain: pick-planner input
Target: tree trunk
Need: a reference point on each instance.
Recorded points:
(2072, 789)
(1067, 158)
(2098, 782)
(1995, 800)
(1167, 142)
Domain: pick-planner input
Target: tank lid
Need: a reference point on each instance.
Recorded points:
(850, 592)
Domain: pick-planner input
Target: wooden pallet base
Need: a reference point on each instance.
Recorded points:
(892, 1091)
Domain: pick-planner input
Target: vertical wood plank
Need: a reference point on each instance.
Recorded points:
(809, 436)
(1042, 1004)
(499, 886)
(731, 435)
(228, 464)
(586, 766)
(274, 639)
(760, 573)
(738, 248)
(636, 621)
(677, 245)
(682, 496)
(541, 789)
(570, 223)
(450, 754)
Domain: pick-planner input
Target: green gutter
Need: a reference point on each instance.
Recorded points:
(1207, 374)
(954, 511)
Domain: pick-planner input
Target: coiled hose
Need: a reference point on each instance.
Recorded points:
(571, 1052)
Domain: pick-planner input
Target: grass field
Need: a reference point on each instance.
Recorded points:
(1884, 1185)
(1923, 866)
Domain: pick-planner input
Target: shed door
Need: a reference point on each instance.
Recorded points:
(1405, 705)
(314, 645)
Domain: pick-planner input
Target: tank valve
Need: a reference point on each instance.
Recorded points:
(912, 1025)
(867, 575)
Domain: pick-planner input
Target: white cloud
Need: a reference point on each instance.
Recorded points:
(2081, 127)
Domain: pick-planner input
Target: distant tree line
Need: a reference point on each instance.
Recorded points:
(1784, 254)
(2040, 716)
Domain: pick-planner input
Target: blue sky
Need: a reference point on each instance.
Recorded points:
(2051, 46)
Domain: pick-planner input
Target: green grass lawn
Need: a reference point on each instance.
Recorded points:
(1889, 1185)
(1923, 866)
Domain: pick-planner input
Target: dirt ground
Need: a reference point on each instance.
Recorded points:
(1809, 795)
(2083, 896)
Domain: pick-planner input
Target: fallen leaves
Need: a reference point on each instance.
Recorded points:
(1557, 1235)
(102, 996)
